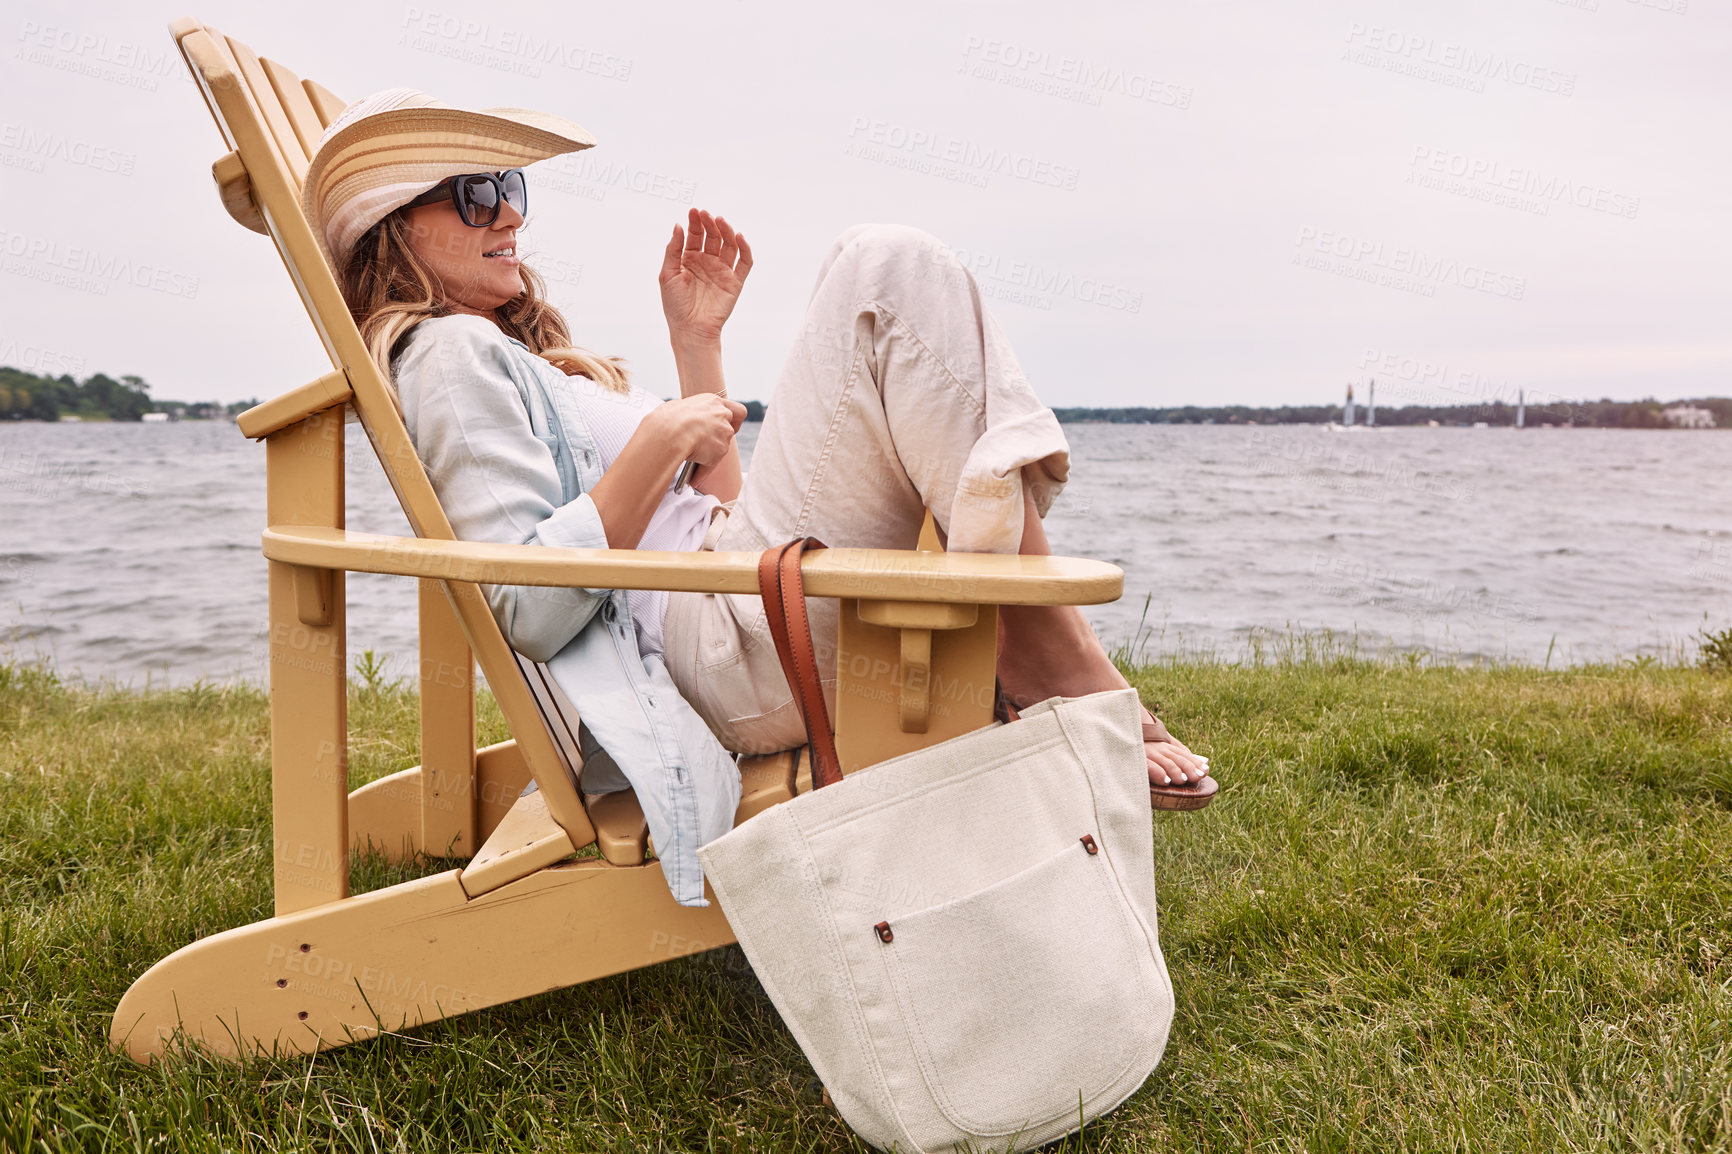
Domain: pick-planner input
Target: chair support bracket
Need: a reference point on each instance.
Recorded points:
(314, 594)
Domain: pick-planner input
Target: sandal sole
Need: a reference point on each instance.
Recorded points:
(1184, 797)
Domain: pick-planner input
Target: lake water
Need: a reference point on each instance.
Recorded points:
(132, 550)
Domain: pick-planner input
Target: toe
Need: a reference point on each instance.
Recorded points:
(1174, 772)
(1158, 773)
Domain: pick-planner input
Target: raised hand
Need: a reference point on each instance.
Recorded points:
(703, 270)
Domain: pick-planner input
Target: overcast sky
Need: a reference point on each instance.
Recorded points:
(1191, 201)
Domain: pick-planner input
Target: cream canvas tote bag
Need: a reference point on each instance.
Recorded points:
(962, 939)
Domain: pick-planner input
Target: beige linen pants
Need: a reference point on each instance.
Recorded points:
(879, 406)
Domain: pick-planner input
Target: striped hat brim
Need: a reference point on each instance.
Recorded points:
(384, 151)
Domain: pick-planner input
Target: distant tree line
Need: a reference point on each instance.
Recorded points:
(99, 397)
(1602, 414)
(27, 396)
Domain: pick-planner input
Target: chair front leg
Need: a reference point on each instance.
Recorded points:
(309, 673)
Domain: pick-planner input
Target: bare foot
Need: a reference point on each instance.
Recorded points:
(1058, 655)
(1085, 669)
(1050, 650)
(1170, 762)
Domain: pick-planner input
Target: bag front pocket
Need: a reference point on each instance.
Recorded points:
(1024, 996)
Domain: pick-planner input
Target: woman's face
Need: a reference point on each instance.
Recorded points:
(476, 267)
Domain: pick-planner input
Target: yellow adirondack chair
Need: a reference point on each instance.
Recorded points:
(918, 639)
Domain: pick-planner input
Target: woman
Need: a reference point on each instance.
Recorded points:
(900, 395)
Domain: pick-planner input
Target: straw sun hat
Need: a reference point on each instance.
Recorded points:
(389, 148)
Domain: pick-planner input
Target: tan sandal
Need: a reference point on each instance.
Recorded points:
(1190, 795)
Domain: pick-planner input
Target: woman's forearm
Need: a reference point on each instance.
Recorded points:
(700, 371)
(631, 488)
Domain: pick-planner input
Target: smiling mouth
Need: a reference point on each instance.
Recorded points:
(509, 250)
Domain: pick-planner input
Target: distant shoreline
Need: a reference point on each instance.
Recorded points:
(1716, 412)
(26, 396)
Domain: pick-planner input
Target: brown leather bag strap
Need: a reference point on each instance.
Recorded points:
(775, 612)
(784, 596)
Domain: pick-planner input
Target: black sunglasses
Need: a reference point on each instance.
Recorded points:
(477, 195)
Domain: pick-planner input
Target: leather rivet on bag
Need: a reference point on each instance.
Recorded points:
(1089, 844)
(884, 933)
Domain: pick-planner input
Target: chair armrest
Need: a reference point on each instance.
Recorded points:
(873, 574)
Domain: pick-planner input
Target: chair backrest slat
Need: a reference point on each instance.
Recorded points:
(326, 103)
(289, 146)
(295, 105)
(221, 44)
(220, 66)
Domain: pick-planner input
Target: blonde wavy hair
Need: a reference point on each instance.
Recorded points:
(390, 290)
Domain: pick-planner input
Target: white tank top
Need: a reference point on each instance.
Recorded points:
(679, 522)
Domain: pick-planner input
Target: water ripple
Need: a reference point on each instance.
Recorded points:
(128, 550)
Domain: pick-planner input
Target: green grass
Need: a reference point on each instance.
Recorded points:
(1432, 909)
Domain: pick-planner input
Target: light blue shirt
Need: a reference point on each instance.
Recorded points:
(506, 448)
